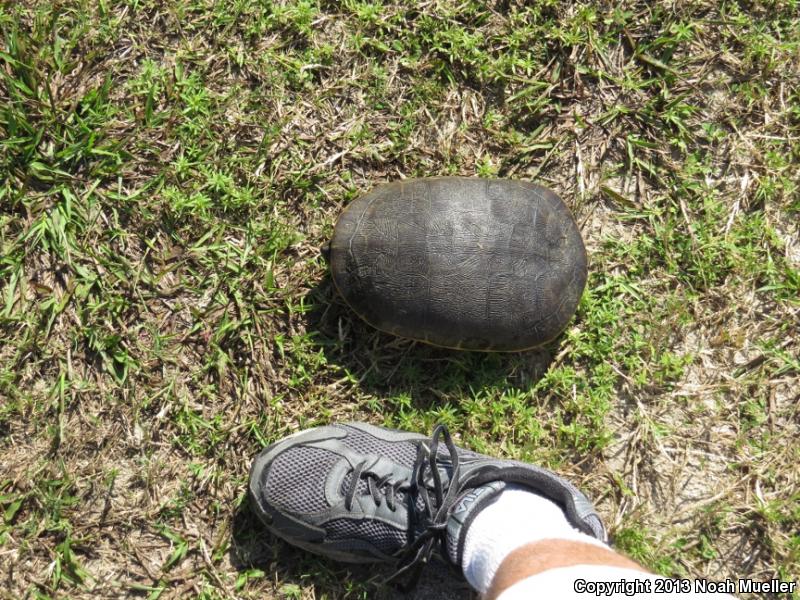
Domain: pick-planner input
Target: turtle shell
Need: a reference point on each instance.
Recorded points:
(467, 263)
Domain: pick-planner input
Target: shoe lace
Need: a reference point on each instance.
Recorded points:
(429, 523)
(375, 485)
(431, 519)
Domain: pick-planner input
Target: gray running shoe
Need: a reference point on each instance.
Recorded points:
(360, 493)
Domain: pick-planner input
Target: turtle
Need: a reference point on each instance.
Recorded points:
(465, 263)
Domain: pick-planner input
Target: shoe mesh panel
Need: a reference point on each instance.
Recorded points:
(296, 479)
(384, 537)
(403, 453)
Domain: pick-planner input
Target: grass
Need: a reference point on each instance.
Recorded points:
(168, 173)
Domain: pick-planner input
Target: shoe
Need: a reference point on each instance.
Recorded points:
(360, 493)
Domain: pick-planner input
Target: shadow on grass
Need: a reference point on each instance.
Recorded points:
(385, 365)
(253, 547)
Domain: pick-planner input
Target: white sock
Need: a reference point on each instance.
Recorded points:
(516, 518)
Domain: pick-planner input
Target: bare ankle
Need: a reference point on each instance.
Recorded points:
(540, 556)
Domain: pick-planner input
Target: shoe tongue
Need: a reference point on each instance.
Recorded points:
(361, 486)
(464, 510)
(378, 468)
